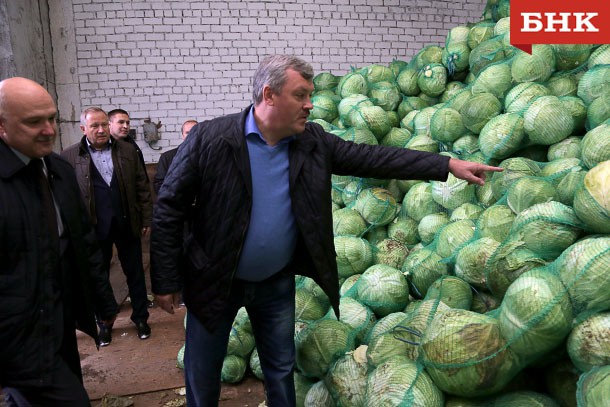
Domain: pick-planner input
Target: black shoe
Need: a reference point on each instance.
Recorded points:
(105, 335)
(143, 330)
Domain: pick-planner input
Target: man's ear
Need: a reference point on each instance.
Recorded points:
(82, 128)
(268, 95)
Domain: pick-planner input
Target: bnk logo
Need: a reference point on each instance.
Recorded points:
(559, 22)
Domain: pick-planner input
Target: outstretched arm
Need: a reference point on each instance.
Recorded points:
(472, 172)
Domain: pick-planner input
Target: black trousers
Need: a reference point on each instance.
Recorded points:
(129, 250)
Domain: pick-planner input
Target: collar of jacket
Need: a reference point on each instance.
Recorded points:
(11, 164)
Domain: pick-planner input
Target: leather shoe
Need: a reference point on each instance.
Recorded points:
(105, 335)
(143, 330)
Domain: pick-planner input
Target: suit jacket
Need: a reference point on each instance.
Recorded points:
(37, 294)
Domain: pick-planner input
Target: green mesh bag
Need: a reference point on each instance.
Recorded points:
(401, 382)
(479, 109)
(446, 125)
(352, 83)
(233, 369)
(535, 67)
(346, 378)
(592, 198)
(325, 81)
(594, 83)
(594, 387)
(385, 95)
(589, 342)
(407, 81)
(324, 108)
(375, 73)
(354, 255)
(502, 136)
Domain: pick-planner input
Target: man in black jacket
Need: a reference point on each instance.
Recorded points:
(52, 281)
(262, 184)
(167, 157)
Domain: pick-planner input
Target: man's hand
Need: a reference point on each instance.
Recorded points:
(145, 231)
(470, 171)
(168, 301)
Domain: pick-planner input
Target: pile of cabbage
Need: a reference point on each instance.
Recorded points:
(459, 294)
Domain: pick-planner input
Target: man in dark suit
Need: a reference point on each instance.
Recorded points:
(116, 191)
(167, 157)
(51, 280)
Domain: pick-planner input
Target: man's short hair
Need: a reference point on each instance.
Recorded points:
(114, 112)
(185, 123)
(92, 109)
(272, 72)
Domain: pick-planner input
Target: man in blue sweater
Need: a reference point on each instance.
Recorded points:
(261, 180)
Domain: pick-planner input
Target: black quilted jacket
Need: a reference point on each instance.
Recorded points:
(213, 168)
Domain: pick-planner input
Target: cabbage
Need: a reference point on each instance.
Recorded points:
(346, 379)
(352, 83)
(422, 268)
(502, 136)
(350, 104)
(521, 96)
(382, 288)
(594, 83)
(446, 125)
(566, 189)
(348, 283)
(536, 314)
(233, 369)
(360, 317)
(452, 193)
(385, 95)
(451, 90)
(547, 121)
(255, 365)
(407, 81)
(524, 398)
(471, 259)
(589, 342)
(422, 121)
(495, 222)
(508, 262)
(594, 387)
(308, 307)
(466, 355)
(568, 148)
(454, 235)
(387, 323)
(321, 343)
(347, 221)
(324, 108)
(396, 137)
(583, 269)
(418, 202)
(399, 381)
(495, 79)
(598, 111)
(554, 171)
(596, 145)
(450, 290)
(487, 52)
(375, 73)
(404, 230)
(600, 56)
(302, 385)
(502, 26)
(180, 357)
(456, 57)
(578, 111)
(480, 32)
(430, 225)
(592, 198)
(373, 118)
(432, 79)
(358, 136)
(535, 67)
(479, 109)
(547, 228)
(325, 81)
(241, 341)
(571, 56)
(466, 145)
(409, 104)
(561, 84)
(390, 252)
(376, 205)
(528, 191)
(514, 168)
(428, 55)
(318, 395)
(354, 255)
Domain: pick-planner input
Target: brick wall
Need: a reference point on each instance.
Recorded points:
(172, 60)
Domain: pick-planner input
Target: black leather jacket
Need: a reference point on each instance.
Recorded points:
(213, 167)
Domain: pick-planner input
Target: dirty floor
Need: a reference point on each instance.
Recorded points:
(143, 373)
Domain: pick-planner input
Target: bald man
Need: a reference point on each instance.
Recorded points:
(52, 281)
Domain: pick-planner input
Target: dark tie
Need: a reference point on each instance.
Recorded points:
(48, 206)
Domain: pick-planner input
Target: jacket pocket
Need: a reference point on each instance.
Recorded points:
(196, 259)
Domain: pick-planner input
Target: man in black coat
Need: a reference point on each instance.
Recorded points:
(261, 180)
(51, 280)
(167, 157)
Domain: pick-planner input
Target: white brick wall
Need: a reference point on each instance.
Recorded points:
(177, 59)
